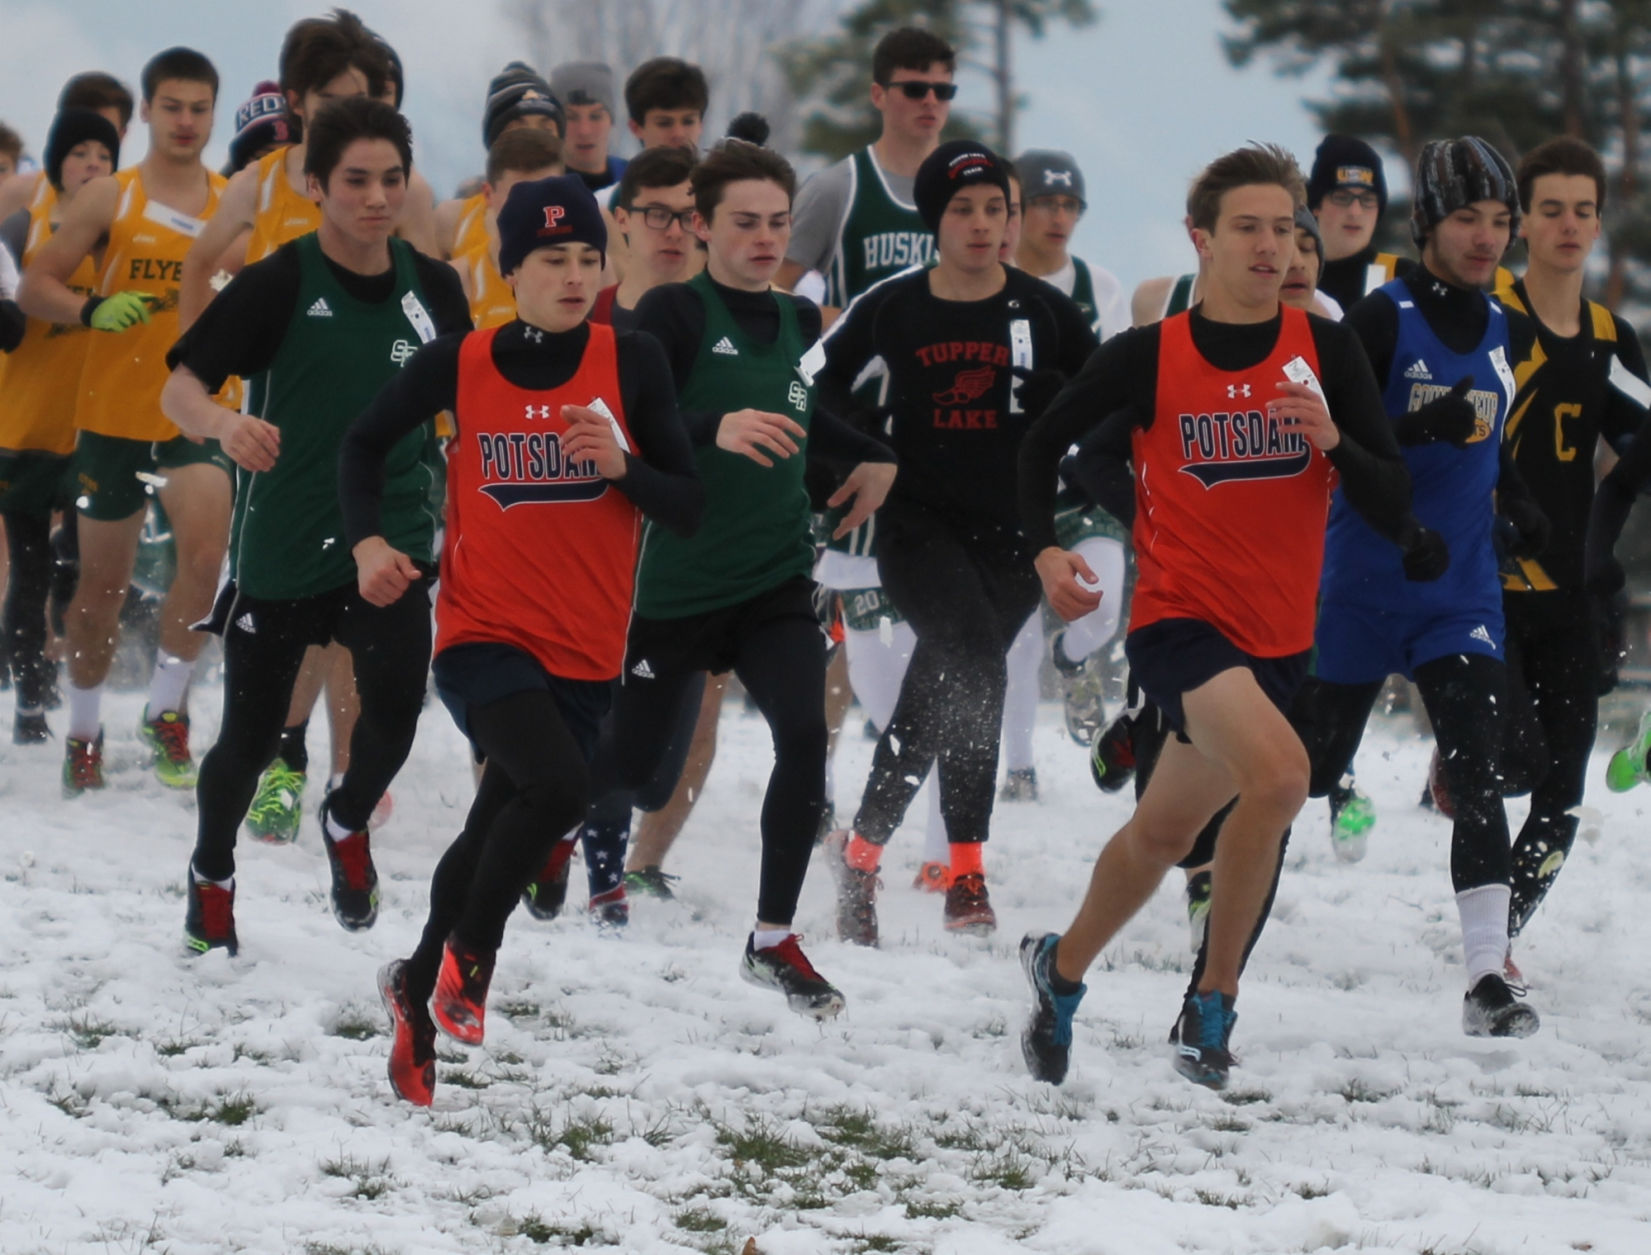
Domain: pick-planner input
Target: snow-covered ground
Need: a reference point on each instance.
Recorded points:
(634, 1094)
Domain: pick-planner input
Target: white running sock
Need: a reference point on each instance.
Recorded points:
(169, 683)
(1484, 912)
(202, 880)
(85, 711)
(768, 938)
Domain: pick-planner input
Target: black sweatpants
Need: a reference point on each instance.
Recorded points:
(1554, 714)
(264, 644)
(773, 643)
(23, 621)
(966, 595)
(537, 742)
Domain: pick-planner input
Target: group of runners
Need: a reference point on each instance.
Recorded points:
(634, 427)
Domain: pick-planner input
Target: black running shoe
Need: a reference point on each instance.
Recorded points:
(1491, 1010)
(354, 878)
(1112, 754)
(547, 891)
(209, 919)
(1046, 1041)
(785, 967)
(1206, 1028)
(30, 728)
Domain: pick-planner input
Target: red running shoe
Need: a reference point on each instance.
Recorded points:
(459, 1004)
(412, 1038)
(968, 909)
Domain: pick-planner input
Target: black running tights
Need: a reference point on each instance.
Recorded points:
(533, 790)
(29, 544)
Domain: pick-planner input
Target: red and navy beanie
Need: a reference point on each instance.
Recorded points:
(555, 210)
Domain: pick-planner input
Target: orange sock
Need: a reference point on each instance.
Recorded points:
(968, 858)
(861, 854)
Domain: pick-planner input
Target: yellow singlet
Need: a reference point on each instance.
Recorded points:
(121, 383)
(281, 213)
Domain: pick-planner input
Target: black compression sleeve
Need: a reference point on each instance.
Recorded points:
(1372, 471)
(659, 476)
(14, 235)
(848, 347)
(1624, 418)
(241, 330)
(1122, 373)
(12, 326)
(1101, 467)
(1375, 320)
(427, 385)
(833, 441)
(675, 316)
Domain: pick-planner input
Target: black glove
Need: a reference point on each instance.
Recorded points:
(1611, 637)
(1426, 556)
(1602, 574)
(1450, 418)
(1037, 389)
(1528, 531)
(12, 325)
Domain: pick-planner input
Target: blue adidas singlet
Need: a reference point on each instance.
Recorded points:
(1452, 488)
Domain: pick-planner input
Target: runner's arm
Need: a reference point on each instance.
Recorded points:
(660, 478)
(237, 207)
(1373, 473)
(45, 292)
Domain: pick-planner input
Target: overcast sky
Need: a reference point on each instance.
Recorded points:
(1142, 99)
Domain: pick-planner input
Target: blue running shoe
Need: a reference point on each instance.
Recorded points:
(1205, 1028)
(1046, 1041)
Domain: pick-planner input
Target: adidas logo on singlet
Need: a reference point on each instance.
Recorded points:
(725, 346)
(320, 309)
(246, 624)
(1482, 633)
(642, 670)
(1418, 370)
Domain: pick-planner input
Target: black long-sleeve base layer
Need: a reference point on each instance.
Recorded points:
(966, 596)
(774, 645)
(1554, 715)
(264, 644)
(534, 789)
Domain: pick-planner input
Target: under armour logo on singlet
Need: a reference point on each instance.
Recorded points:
(1238, 390)
(543, 411)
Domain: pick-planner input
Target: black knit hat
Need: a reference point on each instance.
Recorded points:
(1346, 161)
(1306, 221)
(517, 91)
(259, 122)
(555, 210)
(76, 126)
(1454, 173)
(945, 172)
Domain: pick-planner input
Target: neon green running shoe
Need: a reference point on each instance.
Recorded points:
(1352, 816)
(1627, 766)
(278, 805)
(167, 737)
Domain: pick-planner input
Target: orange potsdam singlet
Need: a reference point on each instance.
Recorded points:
(120, 386)
(540, 552)
(280, 214)
(1230, 509)
(38, 412)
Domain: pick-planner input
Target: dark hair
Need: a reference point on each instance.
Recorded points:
(1242, 167)
(11, 143)
(663, 166)
(665, 83)
(339, 123)
(93, 89)
(319, 49)
(182, 65)
(1562, 155)
(733, 162)
(910, 48)
(522, 151)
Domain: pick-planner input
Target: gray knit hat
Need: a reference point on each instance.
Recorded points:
(1453, 173)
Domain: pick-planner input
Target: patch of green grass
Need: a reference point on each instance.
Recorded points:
(465, 1079)
(1244, 1097)
(933, 1209)
(1008, 1170)
(1211, 1198)
(763, 1146)
(87, 1031)
(700, 1220)
(1310, 1190)
(1356, 1090)
(877, 1242)
(578, 1136)
(175, 1047)
(544, 1232)
(355, 1024)
(332, 1248)
(857, 1128)
(370, 1181)
(69, 1102)
(518, 1009)
(227, 1109)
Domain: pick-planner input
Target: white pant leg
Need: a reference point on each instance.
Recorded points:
(1084, 636)
(1020, 699)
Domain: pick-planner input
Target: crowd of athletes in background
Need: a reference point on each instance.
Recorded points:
(637, 425)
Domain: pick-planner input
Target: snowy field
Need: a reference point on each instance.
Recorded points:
(635, 1095)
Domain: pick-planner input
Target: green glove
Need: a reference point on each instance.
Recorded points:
(121, 312)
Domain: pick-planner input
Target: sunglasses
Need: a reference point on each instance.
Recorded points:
(916, 89)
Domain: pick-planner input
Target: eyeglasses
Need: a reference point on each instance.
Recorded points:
(917, 88)
(1341, 198)
(660, 218)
